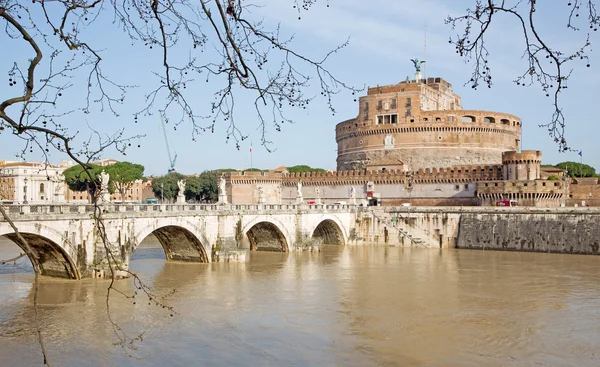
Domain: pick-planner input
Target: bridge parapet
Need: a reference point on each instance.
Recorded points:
(142, 210)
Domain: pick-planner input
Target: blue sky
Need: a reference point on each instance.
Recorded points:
(384, 35)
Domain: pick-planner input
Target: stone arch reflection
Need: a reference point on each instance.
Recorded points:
(180, 244)
(329, 233)
(266, 236)
(53, 260)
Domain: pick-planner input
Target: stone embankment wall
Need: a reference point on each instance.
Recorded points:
(576, 232)
(557, 230)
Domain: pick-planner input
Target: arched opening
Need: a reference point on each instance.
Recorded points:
(179, 244)
(149, 249)
(329, 233)
(467, 119)
(489, 120)
(265, 236)
(10, 250)
(505, 122)
(53, 260)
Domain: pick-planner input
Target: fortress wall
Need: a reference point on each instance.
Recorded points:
(390, 194)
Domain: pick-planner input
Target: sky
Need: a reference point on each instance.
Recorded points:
(383, 36)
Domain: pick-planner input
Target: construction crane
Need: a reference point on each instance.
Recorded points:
(171, 160)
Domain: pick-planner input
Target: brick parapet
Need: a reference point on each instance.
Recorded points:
(434, 121)
(461, 174)
(252, 177)
(513, 186)
(523, 157)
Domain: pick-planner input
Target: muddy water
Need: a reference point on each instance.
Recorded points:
(346, 306)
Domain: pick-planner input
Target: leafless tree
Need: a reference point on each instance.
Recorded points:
(547, 68)
(227, 46)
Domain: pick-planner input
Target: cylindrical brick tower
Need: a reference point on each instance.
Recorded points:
(419, 125)
(522, 166)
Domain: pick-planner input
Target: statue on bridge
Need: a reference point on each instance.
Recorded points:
(299, 198)
(318, 195)
(180, 193)
(104, 195)
(261, 197)
(353, 195)
(222, 192)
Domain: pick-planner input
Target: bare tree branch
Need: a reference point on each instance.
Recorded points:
(547, 68)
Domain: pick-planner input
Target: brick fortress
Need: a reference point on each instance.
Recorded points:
(412, 142)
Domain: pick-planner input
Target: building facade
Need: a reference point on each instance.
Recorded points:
(30, 182)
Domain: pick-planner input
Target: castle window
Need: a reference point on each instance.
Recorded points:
(379, 105)
(486, 185)
(467, 119)
(451, 118)
(456, 187)
(525, 184)
(425, 119)
(394, 103)
(489, 120)
(543, 184)
(505, 122)
(408, 102)
(495, 184)
(387, 119)
(438, 119)
(466, 186)
(556, 184)
(412, 120)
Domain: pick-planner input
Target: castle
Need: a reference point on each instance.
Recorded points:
(412, 143)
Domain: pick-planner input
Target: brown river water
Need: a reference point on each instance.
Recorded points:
(345, 306)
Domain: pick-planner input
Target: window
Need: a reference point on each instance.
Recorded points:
(467, 119)
(387, 119)
(41, 188)
(408, 102)
(438, 119)
(505, 122)
(456, 187)
(489, 120)
(451, 118)
(466, 186)
(379, 105)
(394, 103)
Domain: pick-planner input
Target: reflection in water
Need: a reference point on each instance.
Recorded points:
(346, 306)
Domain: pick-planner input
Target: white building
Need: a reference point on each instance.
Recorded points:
(31, 182)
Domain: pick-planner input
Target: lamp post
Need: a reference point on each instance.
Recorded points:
(25, 191)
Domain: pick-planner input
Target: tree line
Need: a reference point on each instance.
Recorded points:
(201, 188)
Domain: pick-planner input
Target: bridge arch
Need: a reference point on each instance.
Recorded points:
(47, 246)
(181, 240)
(330, 229)
(267, 235)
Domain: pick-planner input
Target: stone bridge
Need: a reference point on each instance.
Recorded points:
(67, 243)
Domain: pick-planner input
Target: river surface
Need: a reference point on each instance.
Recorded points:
(345, 306)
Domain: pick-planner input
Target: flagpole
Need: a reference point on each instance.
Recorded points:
(581, 162)
(251, 166)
